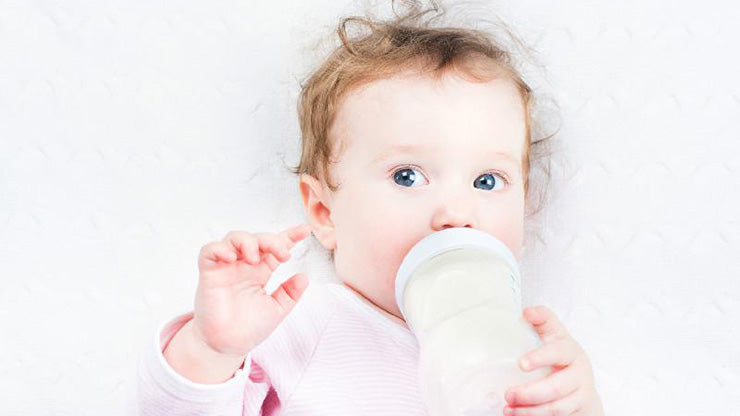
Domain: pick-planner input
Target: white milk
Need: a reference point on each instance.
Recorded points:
(459, 291)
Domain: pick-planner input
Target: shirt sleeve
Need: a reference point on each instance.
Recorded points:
(163, 391)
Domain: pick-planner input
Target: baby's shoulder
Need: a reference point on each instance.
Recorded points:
(288, 350)
(302, 327)
(313, 311)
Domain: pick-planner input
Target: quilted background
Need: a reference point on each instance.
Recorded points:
(132, 133)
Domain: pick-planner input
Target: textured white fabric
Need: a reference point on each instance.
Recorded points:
(133, 133)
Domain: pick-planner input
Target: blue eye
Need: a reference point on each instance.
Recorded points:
(489, 181)
(405, 176)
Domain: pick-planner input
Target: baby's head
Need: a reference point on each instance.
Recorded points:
(407, 131)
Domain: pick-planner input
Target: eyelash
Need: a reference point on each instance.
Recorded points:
(502, 175)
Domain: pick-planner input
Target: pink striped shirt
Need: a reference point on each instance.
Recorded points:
(332, 355)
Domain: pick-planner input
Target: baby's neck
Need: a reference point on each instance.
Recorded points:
(393, 318)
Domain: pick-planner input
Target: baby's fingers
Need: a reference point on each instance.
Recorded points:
(244, 244)
(257, 247)
(547, 324)
(280, 244)
(571, 404)
(273, 244)
(553, 387)
(214, 252)
(561, 353)
(298, 232)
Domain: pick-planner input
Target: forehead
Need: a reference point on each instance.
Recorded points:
(418, 112)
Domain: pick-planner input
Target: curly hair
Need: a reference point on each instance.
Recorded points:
(396, 46)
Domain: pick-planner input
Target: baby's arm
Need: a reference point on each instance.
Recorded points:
(196, 361)
(163, 391)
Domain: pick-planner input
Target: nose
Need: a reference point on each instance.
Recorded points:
(453, 212)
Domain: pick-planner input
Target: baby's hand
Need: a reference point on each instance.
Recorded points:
(233, 313)
(570, 389)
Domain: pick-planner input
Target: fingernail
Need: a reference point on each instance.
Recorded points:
(525, 364)
(508, 411)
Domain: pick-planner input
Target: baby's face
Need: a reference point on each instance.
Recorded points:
(420, 157)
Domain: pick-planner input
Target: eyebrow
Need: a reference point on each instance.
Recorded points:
(409, 148)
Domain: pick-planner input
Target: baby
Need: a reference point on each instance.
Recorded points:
(406, 131)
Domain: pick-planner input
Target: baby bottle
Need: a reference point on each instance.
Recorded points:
(459, 292)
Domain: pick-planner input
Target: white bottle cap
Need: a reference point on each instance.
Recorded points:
(444, 240)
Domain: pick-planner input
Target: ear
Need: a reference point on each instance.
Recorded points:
(318, 210)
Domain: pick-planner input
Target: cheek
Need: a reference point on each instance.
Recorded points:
(362, 220)
(388, 239)
(377, 217)
(375, 234)
(508, 227)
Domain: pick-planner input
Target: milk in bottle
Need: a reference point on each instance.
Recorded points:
(459, 292)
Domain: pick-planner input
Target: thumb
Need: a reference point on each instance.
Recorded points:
(291, 291)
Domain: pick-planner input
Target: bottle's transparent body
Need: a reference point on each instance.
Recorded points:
(464, 306)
